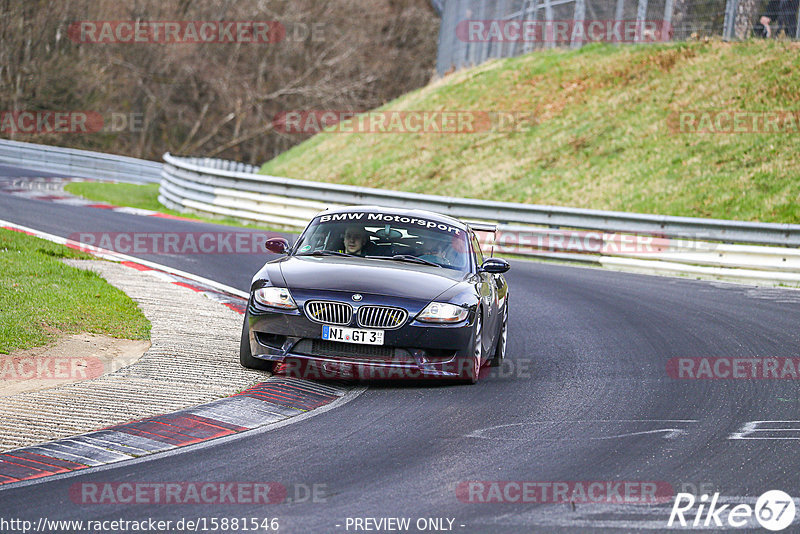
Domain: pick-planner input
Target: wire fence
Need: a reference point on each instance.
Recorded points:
(473, 31)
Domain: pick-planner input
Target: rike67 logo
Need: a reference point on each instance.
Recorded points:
(774, 510)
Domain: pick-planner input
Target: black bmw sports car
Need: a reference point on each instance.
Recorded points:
(373, 292)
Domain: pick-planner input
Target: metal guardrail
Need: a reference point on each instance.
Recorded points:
(225, 188)
(211, 185)
(626, 241)
(79, 163)
(651, 254)
(674, 245)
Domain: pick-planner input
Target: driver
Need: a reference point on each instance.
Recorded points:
(436, 251)
(355, 240)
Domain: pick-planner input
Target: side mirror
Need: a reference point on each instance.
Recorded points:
(494, 266)
(278, 245)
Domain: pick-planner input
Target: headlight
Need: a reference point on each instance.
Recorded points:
(276, 297)
(440, 312)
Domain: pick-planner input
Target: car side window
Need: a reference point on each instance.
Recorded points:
(476, 250)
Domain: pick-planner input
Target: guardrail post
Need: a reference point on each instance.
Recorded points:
(666, 24)
(641, 16)
(619, 12)
(578, 17)
(530, 11)
(548, 17)
(797, 18)
(729, 26)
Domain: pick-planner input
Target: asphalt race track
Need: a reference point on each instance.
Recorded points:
(585, 396)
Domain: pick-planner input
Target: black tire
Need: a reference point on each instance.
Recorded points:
(502, 341)
(246, 355)
(471, 375)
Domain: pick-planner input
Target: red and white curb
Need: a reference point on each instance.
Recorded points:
(271, 402)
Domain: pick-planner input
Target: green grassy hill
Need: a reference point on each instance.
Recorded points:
(602, 137)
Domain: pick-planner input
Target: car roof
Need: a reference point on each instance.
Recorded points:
(431, 215)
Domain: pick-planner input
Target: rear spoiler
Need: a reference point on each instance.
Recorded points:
(479, 226)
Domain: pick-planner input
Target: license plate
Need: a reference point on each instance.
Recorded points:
(352, 335)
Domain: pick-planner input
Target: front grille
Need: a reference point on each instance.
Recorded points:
(381, 317)
(323, 348)
(329, 312)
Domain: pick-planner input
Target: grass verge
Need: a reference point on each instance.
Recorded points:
(42, 298)
(603, 135)
(120, 194)
(143, 197)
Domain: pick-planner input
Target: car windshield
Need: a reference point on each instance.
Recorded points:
(384, 236)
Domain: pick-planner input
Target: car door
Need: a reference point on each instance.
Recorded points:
(487, 289)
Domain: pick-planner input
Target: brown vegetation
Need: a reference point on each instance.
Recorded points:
(210, 99)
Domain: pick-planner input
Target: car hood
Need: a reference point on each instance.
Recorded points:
(378, 277)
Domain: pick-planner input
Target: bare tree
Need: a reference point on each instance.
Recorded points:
(746, 14)
(212, 98)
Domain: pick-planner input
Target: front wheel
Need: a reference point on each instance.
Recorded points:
(246, 354)
(472, 373)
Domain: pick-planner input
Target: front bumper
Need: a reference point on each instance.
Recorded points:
(415, 350)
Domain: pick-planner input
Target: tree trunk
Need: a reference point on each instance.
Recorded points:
(746, 15)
